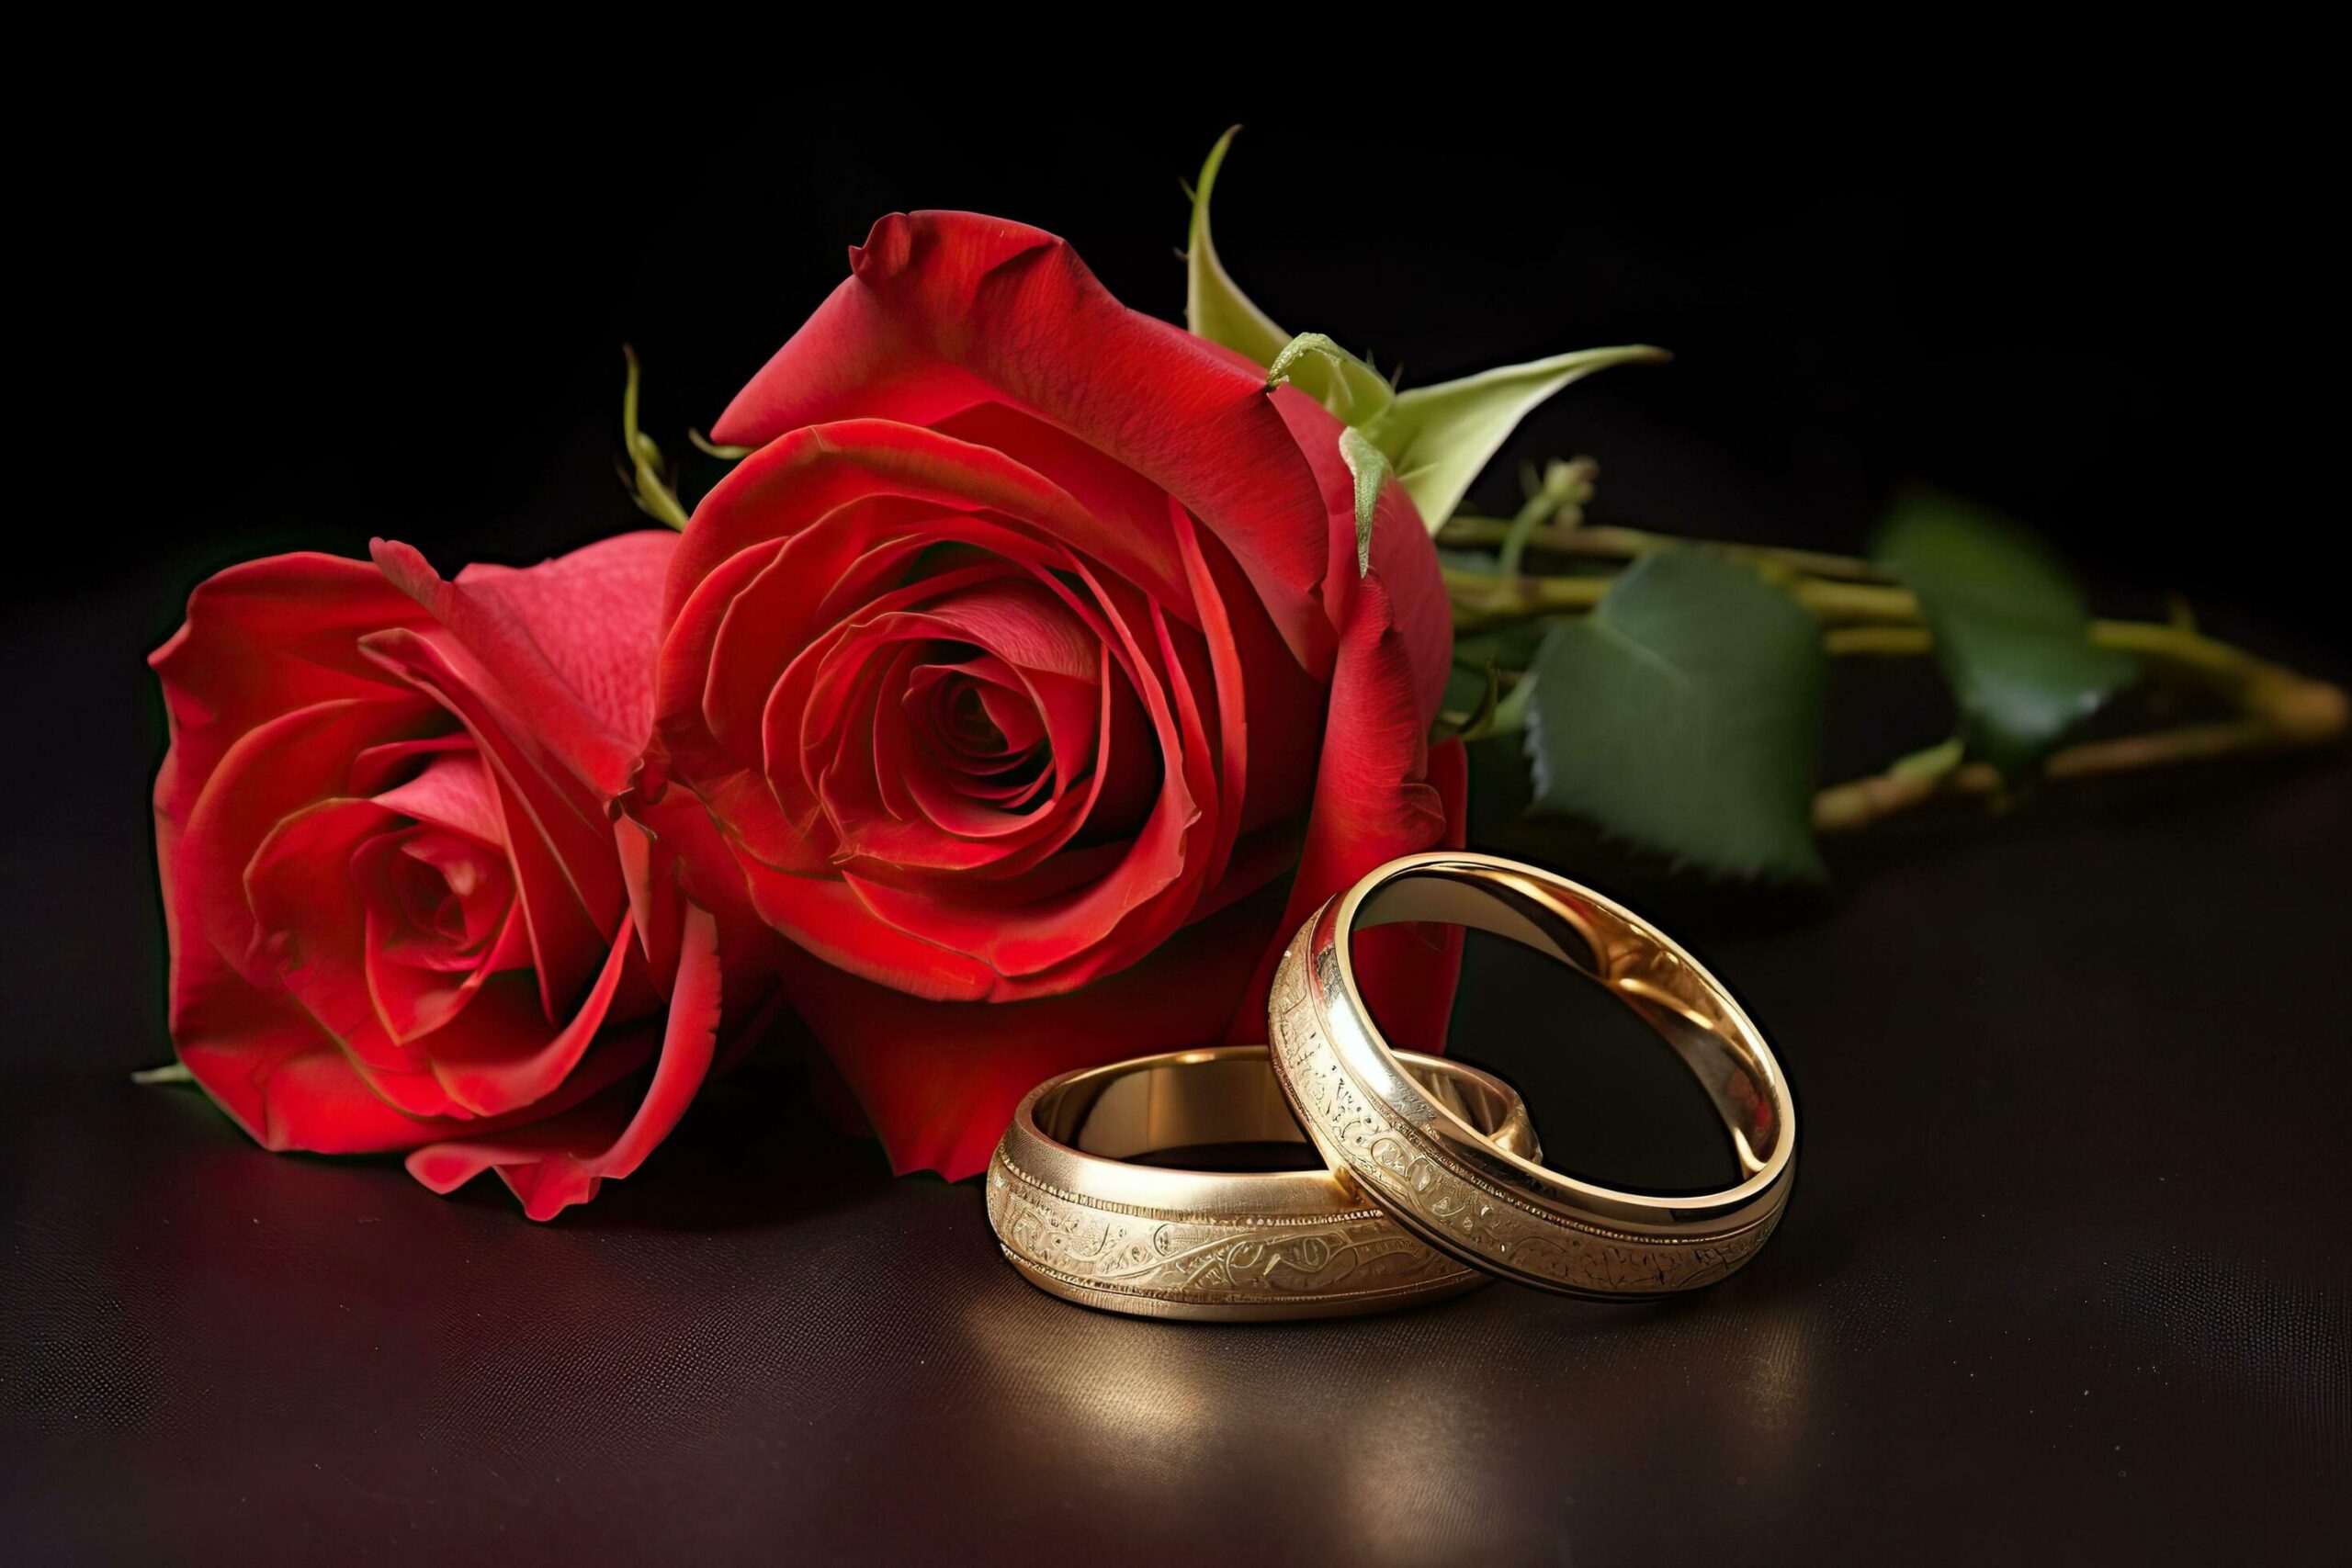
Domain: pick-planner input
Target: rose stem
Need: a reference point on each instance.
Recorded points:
(2281, 709)
(1631, 544)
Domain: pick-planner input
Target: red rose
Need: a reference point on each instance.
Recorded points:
(1028, 656)
(400, 916)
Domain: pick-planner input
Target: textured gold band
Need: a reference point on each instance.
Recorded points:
(1498, 1209)
(1079, 1215)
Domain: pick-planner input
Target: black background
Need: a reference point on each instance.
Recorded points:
(289, 313)
(2055, 1284)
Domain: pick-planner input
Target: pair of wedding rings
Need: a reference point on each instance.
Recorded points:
(1434, 1181)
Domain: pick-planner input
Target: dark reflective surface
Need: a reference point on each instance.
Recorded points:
(2063, 1278)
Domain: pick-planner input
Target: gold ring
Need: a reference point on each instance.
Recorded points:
(1439, 1176)
(1079, 1215)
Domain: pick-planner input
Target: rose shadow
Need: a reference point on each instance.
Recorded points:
(754, 1153)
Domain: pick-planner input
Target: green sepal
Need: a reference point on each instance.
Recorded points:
(1369, 467)
(649, 487)
(1438, 438)
(1217, 309)
(1351, 388)
(1214, 307)
(709, 449)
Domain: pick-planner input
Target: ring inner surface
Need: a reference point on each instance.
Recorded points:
(1667, 990)
(1216, 1099)
(1172, 1105)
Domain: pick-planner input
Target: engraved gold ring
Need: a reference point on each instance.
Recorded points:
(1440, 1177)
(1081, 1214)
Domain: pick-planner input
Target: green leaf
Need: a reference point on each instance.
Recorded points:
(1368, 465)
(1681, 714)
(1439, 437)
(2011, 630)
(1215, 309)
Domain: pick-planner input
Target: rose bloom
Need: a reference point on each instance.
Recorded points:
(400, 915)
(1027, 662)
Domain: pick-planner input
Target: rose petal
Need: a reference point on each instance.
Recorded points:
(553, 822)
(1375, 798)
(497, 1055)
(267, 1065)
(939, 1081)
(263, 639)
(792, 483)
(555, 1163)
(278, 768)
(945, 311)
(569, 641)
(453, 791)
